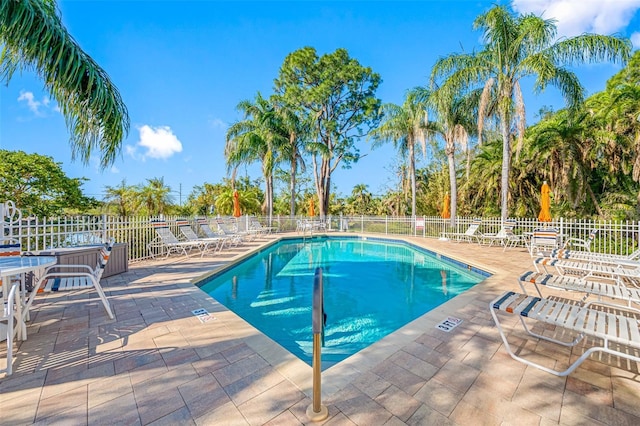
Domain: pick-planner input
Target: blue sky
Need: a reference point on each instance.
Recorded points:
(183, 66)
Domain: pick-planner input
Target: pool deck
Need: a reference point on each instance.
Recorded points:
(157, 363)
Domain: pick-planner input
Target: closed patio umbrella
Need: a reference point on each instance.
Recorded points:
(236, 204)
(545, 203)
(446, 211)
(312, 210)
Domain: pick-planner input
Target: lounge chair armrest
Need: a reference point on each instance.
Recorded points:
(570, 240)
(65, 266)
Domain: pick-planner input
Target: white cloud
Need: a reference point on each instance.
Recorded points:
(576, 17)
(216, 123)
(159, 142)
(115, 170)
(36, 106)
(130, 150)
(33, 105)
(635, 39)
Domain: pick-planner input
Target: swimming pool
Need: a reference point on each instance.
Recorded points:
(372, 287)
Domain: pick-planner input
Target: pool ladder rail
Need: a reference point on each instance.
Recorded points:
(316, 411)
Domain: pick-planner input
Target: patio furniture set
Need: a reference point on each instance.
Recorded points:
(48, 276)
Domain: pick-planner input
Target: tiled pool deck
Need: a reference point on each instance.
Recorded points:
(156, 363)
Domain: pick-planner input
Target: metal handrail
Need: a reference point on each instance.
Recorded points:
(316, 411)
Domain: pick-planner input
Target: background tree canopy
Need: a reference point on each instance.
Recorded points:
(39, 187)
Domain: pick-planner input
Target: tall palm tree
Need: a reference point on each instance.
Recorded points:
(256, 138)
(33, 37)
(404, 126)
(295, 132)
(453, 123)
(517, 47)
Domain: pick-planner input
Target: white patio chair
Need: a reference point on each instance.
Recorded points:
(10, 315)
(543, 239)
(611, 332)
(78, 277)
(585, 244)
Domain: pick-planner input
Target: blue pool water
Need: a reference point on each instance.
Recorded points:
(372, 288)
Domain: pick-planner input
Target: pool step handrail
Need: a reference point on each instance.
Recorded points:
(317, 411)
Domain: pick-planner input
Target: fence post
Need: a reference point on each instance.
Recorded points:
(104, 227)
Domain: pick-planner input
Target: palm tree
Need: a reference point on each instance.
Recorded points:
(453, 123)
(32, 37)
(360, 199)
(256, 138)
(122, 197)
(560, 148)
(485, 170)
(517, 47)
(404, 126)
(156, 196)
(295, 132)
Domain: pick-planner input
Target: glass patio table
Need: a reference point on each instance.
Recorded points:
(11, 266)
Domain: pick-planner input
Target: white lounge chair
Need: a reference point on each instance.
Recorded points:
(505, 236)
(610, 289)
(621, 270)
(472, 233)
(255, 224)
(166, 240)
(203, 224)
(242, 227)
(213, 243)
(595, 257)
(609, 329)
(229, 230)
(78, 277)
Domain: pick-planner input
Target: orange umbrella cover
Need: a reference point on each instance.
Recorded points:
(545, 203)
(312, 210)
(236, 204)
(446, 212)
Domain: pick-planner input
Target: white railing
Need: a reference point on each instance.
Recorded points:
(618, 237)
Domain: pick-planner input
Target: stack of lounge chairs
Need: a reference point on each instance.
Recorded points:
(604, 319)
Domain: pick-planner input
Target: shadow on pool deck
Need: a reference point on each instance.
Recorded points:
(156, 362)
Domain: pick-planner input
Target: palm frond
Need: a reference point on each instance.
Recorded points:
(33, 37)
(589, 48)
(482, 107)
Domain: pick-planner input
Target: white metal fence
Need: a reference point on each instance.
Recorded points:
(45, 233)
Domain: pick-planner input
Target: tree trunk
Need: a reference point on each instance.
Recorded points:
(270, 198)
(595, 201)
(292, 187)
(453, 185)
(506, 165)
(412, 174)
